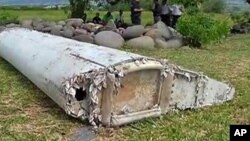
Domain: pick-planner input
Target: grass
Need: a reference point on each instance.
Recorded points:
(57, 15)
(26, 113)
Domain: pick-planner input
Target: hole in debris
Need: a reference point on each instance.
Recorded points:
(80, 94)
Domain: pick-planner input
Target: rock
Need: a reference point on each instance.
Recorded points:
(68, 31)
(2, 28)
(109, 39)
(84, 38)
(90, 27)
(46, 29)
(174, 32)
(141, 42)
(133, 32)
(80, 31)
(164, 30)
(56, 30)
(61, 23)
(27, 24)
(104, 28)
(36, 22)
(74, 22)
(49, 24)
(12, 25)
(39, 27)
(174, 42)
(58, 27)
(154, 33)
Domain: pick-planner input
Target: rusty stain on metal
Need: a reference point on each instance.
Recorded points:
(104, 85)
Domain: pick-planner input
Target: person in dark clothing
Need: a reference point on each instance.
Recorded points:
(136, 12)
(166, 13)
(84, 17)
(156, 9)
(107, 17)
(119, 20)
(97, 19)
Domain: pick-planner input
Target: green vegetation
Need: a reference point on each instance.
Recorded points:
(202, 28)
(27, 114)
(214, 6)
(240, 17)
(56, 15)
(6, 18)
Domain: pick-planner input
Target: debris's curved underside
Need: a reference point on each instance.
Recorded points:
(104, 85)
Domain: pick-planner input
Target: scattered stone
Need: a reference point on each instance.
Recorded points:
(109, 39)
(141, 42)
(133, 32)
(36, 22)
(2, 28)
(27, 24)
(104, 28)
(164, 30)
(68, 31)
(49, 24)
(58, 27)
(74, 22)
(61, 23)
(84, 38)
(79, 31)
(46, 29)
(90, 27)
(39, 27)
(12, 25)
(174, 42)
(56, 30)
(154, 33)
(174, 32)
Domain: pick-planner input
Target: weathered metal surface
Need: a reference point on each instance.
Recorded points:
(104, 85)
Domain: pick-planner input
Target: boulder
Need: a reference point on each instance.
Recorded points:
(2, 28)
(36, 21)
(84, 38)
(164, 30)
(61, 23)
(133, 32)
(174, 42)
(49, 24)
(109, 39)
(104, 28)
(68, 31)
(74, 22)
(79, 31)
(39, 27)
(46, 29)
(154, 33)
(12, 25)
(141, 42)
(27, 24)
(56, 30)
(90, 27)
(58, 27)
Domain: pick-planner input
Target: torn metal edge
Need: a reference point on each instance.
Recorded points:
(95, 81)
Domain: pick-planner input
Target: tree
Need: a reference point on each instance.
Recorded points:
(77, 7)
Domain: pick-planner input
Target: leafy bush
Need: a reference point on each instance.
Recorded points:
(187, 3)
(202, 28)
(214, 6)
(7, 18)
(240, 17)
